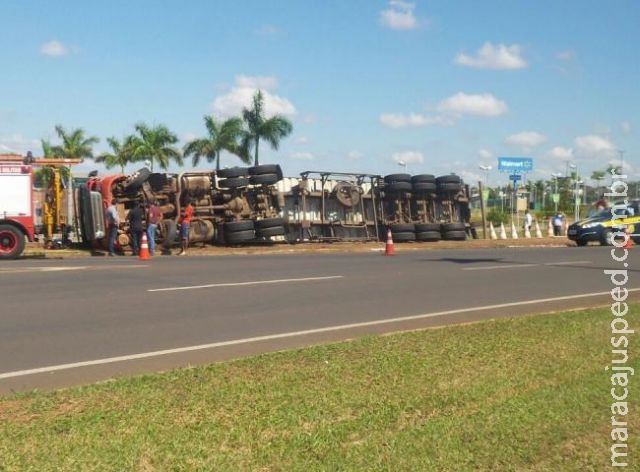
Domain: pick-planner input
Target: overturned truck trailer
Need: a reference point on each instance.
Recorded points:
(248, 205)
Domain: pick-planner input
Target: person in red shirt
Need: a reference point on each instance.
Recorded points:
(185, 221)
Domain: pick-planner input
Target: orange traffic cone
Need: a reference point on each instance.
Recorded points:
(388, 249)
(629, 242)
(144, 249)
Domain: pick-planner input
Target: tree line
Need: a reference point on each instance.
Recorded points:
(239, 136)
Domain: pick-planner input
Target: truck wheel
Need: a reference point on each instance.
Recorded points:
(232, 172)
(273, 231)
(168, 231)
(237, 226)
(239, 237)
(11, 242)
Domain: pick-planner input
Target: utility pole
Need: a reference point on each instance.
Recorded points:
(621, 152)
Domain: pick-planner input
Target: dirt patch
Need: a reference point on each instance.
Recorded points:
(36, 251)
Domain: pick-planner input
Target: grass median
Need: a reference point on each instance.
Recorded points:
(528, 393)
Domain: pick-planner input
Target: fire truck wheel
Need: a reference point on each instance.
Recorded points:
(239, 237)
(237, 226)
(233, 172)
(264, 179)
(269, 223)
(168, 231)
(268, 232)
(11, 242)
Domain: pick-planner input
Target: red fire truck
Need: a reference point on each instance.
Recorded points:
(16, 209)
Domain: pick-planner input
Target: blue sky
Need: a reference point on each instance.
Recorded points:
(443, 86)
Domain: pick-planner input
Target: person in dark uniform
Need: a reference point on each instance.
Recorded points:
(136, 227)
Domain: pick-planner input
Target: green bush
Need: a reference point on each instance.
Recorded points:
(497, 217)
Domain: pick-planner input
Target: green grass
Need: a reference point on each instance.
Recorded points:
(528, 393)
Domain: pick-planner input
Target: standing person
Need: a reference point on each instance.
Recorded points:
(528, 221)
(185, 222)
(136, 227)
(557, 224)
(154, 215)
(113, 220)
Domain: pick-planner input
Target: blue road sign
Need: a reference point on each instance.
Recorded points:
(515, 164)
(515, 177)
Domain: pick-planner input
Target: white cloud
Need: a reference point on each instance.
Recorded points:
(408, 157)
(18, 144)
(241, 96)
(303, 156)
(354, 155)
(54, 49)
(399, 16)
(482, 105)
(494, 57)
(399, 120)
(560, 153)
(301, 140)
(594, 146)
(566, 55)
(526, 139)
(485, 154)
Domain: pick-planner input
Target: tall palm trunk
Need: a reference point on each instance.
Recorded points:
(256, 152)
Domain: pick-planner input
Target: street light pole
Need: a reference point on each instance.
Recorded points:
(556, 197)
(403, 164)
(576, 197)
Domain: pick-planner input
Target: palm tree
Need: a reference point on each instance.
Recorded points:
(259, 127)
(156, 145)
(74, 144)
(223, 136)
(44, 175)
(122, 152)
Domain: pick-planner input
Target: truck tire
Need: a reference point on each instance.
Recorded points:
(423, 178)
(402, 227)
(391, 178)
(264, 179)
(233, 182)
(238, 226)
(455, 235)
(138, 178)
(11, 242)
(428, 236)
(399, 187)
(239, 236)
(268, 223)
(272, 231)
(232, 172)
(266, 169)
(426, 227)
(403, 237)
(169, 231)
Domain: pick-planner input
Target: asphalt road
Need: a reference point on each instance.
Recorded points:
(67, 322)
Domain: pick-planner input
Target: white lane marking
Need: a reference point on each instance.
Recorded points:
(240, 284)
(65, 268)
(270, 337)
(514, 266)
(506, 266)
(567, 263)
